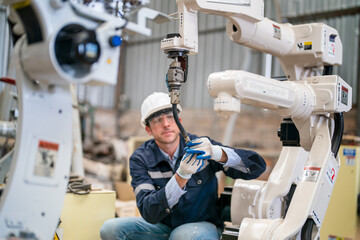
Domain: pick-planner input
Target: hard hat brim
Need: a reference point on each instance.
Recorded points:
(157, 111)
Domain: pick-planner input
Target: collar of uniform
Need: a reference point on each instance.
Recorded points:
(167, 156)
(161, 157)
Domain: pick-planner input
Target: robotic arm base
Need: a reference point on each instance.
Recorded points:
(258, 229)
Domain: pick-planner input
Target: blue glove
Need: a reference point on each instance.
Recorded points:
(189, 165)
(204, 149)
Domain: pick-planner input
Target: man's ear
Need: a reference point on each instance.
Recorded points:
(148, 130)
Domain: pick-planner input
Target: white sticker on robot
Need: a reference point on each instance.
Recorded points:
(331, 49)
(331, 173)
(300, 46)
(310, 174)
(276, 31)
(46, 158)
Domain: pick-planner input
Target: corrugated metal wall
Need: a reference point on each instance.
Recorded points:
(146, 64)
(97, 96)
(301, 7)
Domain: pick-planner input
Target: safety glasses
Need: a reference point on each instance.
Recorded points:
(160, 119)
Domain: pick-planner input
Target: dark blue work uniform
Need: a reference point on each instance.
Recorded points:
(151, 171)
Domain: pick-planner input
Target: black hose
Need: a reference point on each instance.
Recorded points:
(186, 68)
(307, 229)
(178, 123)
(338, 133)
(328, 70)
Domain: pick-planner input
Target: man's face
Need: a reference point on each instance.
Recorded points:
(163, 128)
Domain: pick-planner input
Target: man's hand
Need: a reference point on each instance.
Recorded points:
(204, 149)
(189, 165)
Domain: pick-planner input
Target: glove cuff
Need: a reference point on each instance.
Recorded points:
(217, 153)
(183, 174)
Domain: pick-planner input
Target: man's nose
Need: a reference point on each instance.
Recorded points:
(165, 121)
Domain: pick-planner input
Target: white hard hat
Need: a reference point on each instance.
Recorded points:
(154, 103)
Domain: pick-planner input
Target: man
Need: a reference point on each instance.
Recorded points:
(175, 185)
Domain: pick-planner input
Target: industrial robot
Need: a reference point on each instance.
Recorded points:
(292, 203)
(64, 42)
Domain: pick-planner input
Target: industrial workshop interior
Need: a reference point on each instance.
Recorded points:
(179, 119)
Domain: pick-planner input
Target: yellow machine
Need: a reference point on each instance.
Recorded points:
(83, 215)
(341, 219)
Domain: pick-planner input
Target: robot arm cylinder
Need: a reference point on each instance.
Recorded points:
(231, 87)
(298, 100)
(265, 36)
(187, 39)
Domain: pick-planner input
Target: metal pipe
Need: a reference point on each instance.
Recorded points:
(7, 129)
(77, 166)
(313, 17)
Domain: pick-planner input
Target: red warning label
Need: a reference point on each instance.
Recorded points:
(48, 145)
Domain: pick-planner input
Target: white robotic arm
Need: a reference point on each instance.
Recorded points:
(64, 42)
(314, 103)
(301, 49)
(312, 167)
(300, 99)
